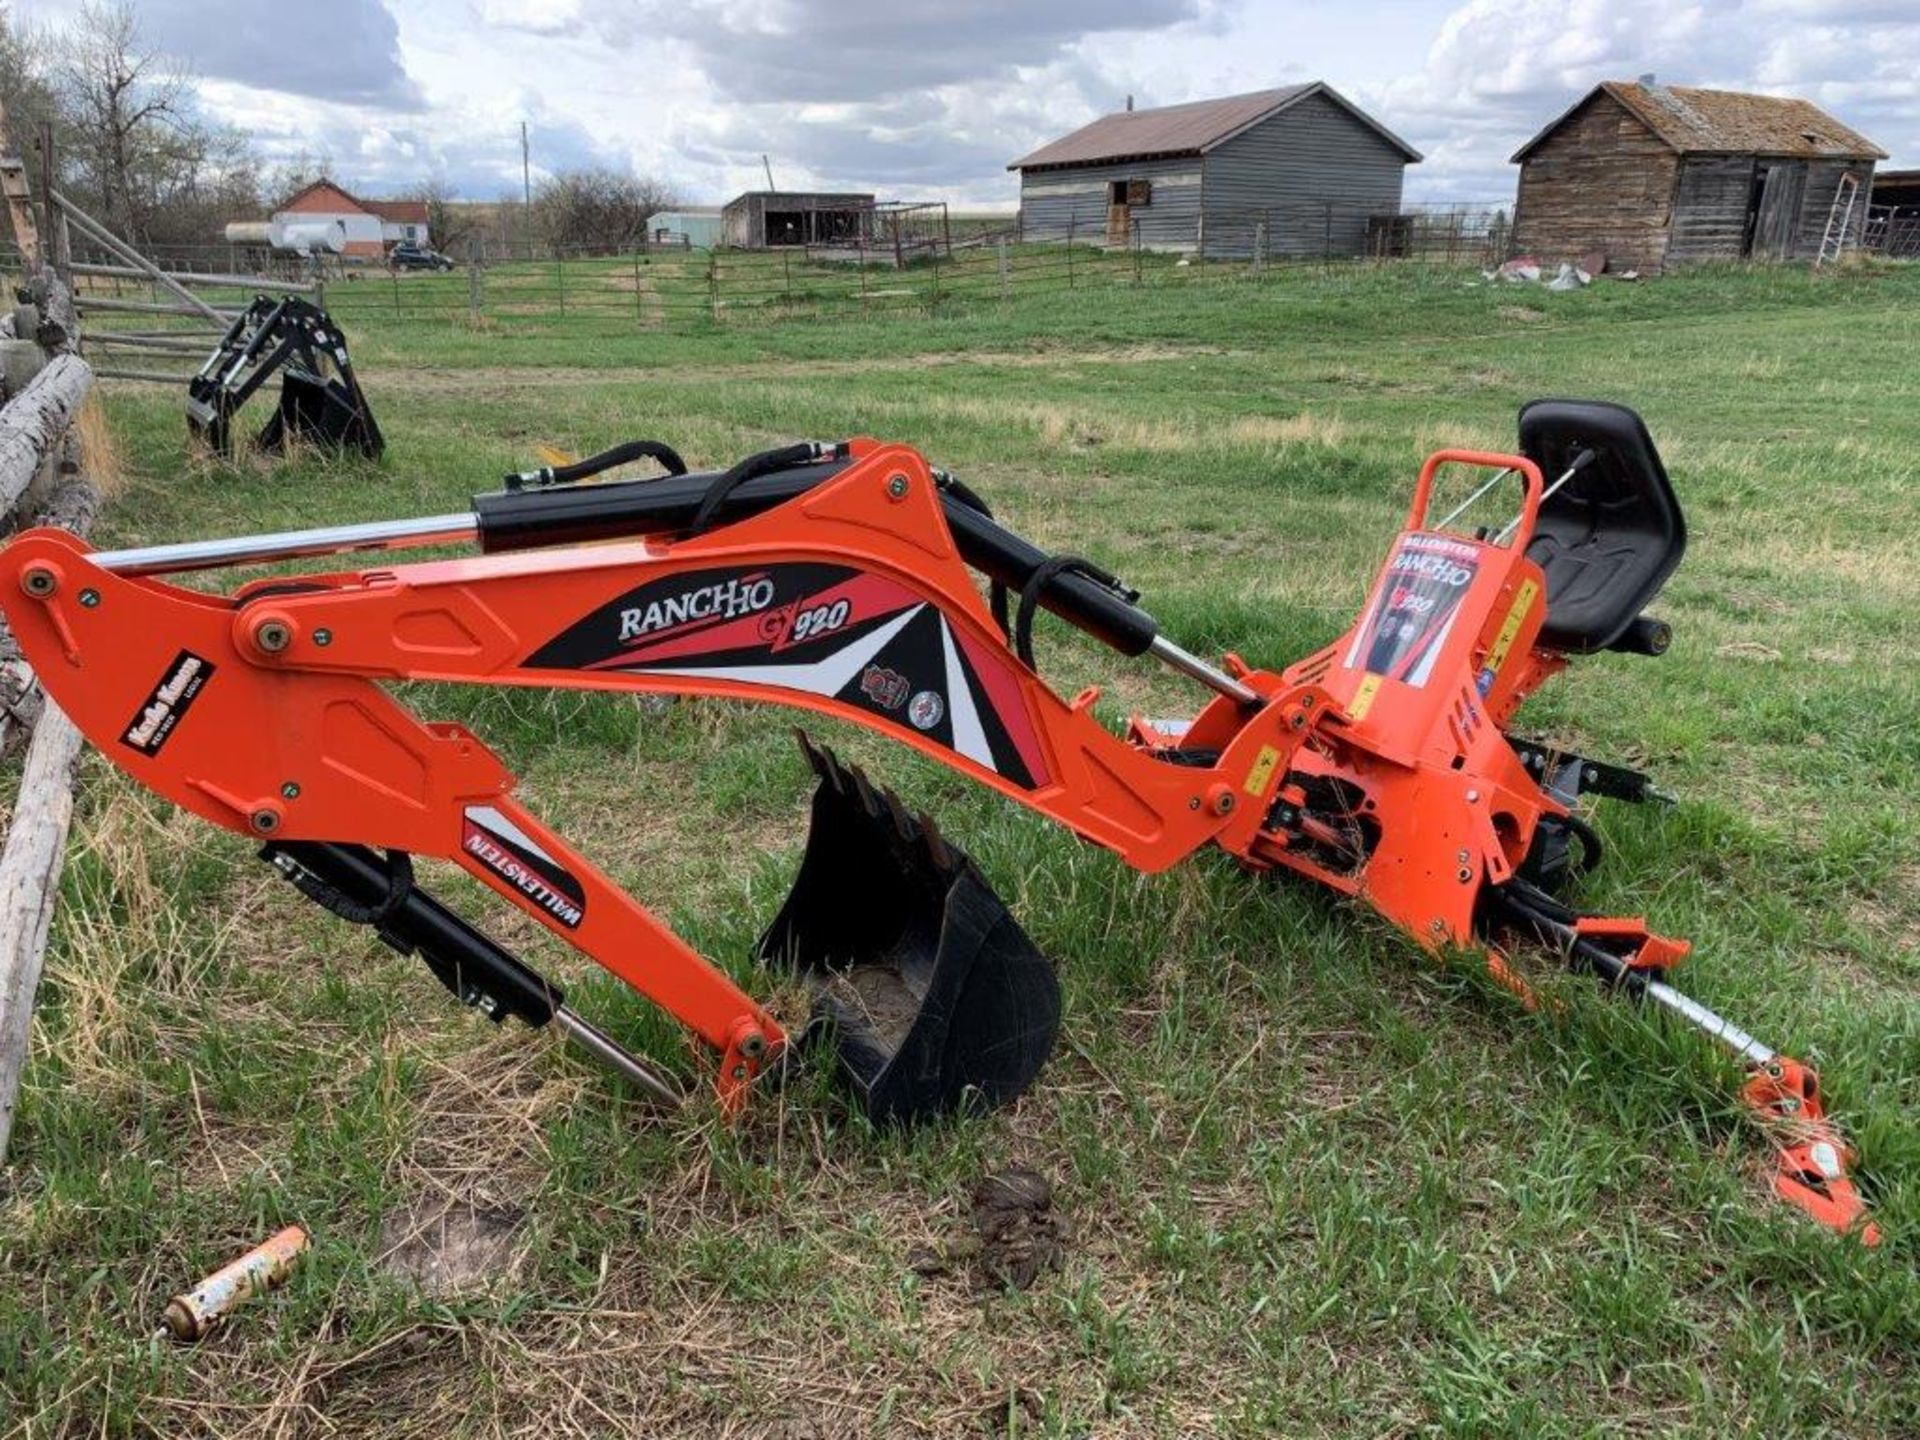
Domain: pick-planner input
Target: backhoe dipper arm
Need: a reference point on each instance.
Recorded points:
(263, 712)
(171, 685)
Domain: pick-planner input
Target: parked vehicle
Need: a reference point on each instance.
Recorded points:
(409, 256)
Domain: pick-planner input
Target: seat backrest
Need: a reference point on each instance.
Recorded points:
(1608, 538)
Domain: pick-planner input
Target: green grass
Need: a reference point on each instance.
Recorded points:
(1316, 1186)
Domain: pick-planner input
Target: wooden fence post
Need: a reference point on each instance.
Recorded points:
(1070, 219)
(32, 422)
(639, 309)
(1000, 254)
(30, 868)
(36, 426)
(475, 298)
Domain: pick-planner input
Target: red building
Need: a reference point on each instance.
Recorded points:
(372, 227)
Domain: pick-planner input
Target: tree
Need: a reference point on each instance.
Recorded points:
(29, 100)
(450, 224)
(291, 176)
(130, 127)
(597, 209)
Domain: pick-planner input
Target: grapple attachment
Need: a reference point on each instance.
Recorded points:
(937, 998)
(320, 400)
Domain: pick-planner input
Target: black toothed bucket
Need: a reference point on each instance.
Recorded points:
(938, 999)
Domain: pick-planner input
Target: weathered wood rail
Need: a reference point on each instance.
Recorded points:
(36, 437)
(42, 482)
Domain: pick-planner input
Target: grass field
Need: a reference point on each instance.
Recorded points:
(1311, 1183)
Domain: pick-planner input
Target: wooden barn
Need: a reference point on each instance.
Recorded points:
(1897, 190)
(761, 219)
(1300, 170)
(1652, 175)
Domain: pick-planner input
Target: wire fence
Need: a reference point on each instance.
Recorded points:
(674, 286)
(678, 287)
(144, 326)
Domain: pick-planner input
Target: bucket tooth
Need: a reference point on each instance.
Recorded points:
(938, 999)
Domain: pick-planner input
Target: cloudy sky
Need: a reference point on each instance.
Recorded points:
(931, 98)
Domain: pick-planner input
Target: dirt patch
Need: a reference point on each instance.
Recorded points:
(449, 1247)
(1015, 1235)
(876, 1000)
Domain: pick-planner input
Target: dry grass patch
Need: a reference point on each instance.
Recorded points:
(100, 457)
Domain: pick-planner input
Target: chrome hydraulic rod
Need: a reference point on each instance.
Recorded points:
(1194, 667)
(1704, 1020)
(1616, 971)
(289, 545)
(610, 1053)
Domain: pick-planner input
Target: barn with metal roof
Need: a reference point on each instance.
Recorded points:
(1652, 175)
(1300, 170)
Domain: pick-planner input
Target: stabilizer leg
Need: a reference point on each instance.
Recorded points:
(1812, 1157)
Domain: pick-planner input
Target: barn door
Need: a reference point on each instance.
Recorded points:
(1119, 216)
(1779, 187)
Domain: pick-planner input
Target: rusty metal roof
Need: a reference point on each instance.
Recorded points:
(1190, 129)
(1694, 121)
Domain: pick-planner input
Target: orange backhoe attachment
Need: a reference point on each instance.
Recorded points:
(846, 580)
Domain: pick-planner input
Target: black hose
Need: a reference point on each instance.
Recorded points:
(624, 454)
(996, 589)
(752, 468)
(1044, 574)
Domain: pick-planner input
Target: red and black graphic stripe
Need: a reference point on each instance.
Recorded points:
(864, 640)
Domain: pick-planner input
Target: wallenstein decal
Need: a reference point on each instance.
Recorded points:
(512, 854)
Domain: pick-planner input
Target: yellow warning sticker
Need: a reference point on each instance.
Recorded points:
(1261, 775)
(1509, 628)
(1363, 697)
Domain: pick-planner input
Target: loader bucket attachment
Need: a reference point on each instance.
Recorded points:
(321, 402)
(937, 999)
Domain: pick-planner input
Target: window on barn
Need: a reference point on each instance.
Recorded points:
(1130, 192)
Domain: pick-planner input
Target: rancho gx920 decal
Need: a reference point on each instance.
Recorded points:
(1426, 578)
(815, 629)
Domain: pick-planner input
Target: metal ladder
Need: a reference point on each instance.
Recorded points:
(1833, 244)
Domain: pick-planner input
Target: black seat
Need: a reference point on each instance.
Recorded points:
(1608, 538)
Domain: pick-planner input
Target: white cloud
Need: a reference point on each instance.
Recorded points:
(933, 97)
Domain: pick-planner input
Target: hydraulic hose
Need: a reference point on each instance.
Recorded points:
(624, 454)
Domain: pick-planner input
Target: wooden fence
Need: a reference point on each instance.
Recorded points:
(42, 482)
